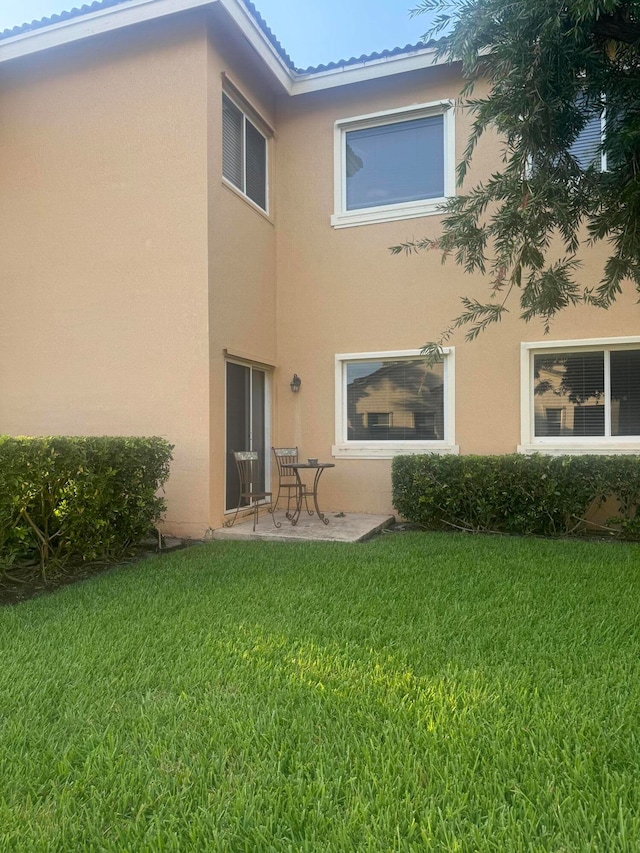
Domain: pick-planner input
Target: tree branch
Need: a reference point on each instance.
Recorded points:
(618, 28)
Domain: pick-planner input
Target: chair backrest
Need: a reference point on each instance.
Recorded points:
(285, 455)
(247, 462)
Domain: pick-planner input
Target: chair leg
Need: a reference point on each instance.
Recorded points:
(275, 506)
(272, 510)
(231, 522)
(295, 492)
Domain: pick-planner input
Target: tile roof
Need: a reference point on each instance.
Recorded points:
(369, 57)
(260, 21)
(63, 16)
(87, 9)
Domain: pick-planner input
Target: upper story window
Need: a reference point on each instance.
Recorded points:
(581, 396)
(397, 164)
(244, 153)
(393, 402)
(587, 148)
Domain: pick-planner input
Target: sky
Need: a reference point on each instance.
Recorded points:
(311, 31)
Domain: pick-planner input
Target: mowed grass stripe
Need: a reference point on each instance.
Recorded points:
(417, 692)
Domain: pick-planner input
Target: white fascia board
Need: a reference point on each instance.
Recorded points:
(138, 11)
(91, 24)
(369, 69)
(260, 43)
(135, 12)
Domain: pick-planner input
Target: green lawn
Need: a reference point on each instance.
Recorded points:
(417, 692)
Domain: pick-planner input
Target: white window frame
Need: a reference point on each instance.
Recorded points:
(603, 130)
(558, 445)
(345, 449)
(603, 156)
(343, 218)
(256, 123)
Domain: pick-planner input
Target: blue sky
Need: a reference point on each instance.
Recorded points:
(311, 31)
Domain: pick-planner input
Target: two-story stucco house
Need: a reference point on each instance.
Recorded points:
(187, 221)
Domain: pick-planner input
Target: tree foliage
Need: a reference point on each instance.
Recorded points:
(550, 65)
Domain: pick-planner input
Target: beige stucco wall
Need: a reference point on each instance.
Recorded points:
(130, 270)
(103, 241)
(341, 291)
(242, 248)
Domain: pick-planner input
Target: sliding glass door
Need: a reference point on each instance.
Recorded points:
(247, 420)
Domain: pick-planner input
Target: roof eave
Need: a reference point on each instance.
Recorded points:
(138, 11)
(368, 69)
(293, 82)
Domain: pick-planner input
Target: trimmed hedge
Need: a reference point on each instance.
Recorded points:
(542, 495)
(73, 500)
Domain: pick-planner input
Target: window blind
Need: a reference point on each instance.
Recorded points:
(232, 143)
(394, 400)
(574, 383)
(625, 392)
(579, 394)
(587, 147)
(256, 187)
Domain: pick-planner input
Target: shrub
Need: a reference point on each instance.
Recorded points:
(73, 500)
(543, 495)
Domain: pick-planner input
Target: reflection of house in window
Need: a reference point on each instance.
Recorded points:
(588, 420)
(379, 420)
(395, 400)
(425, 425)
(570, 393)
(555, 420)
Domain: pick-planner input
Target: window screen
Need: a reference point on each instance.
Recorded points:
(394, 400)
(232, 143)
(395, 163)
(582, 394)
(573, 382)
(256, 187)
(587, 147)
(244, 153)
(625, 392)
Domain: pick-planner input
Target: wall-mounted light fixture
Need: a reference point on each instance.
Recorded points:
(295, 383)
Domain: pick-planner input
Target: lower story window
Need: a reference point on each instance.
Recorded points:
(393, 402)
(582, 396)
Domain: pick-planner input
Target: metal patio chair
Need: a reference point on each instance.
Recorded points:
(287, 480)
(248, 465)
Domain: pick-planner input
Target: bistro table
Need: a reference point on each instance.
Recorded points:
(303, 491)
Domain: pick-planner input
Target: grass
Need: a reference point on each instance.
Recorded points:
(417, 692)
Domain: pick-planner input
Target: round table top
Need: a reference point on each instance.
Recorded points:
(308, 465)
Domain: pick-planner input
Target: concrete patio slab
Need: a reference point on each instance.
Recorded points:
(342, 527)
